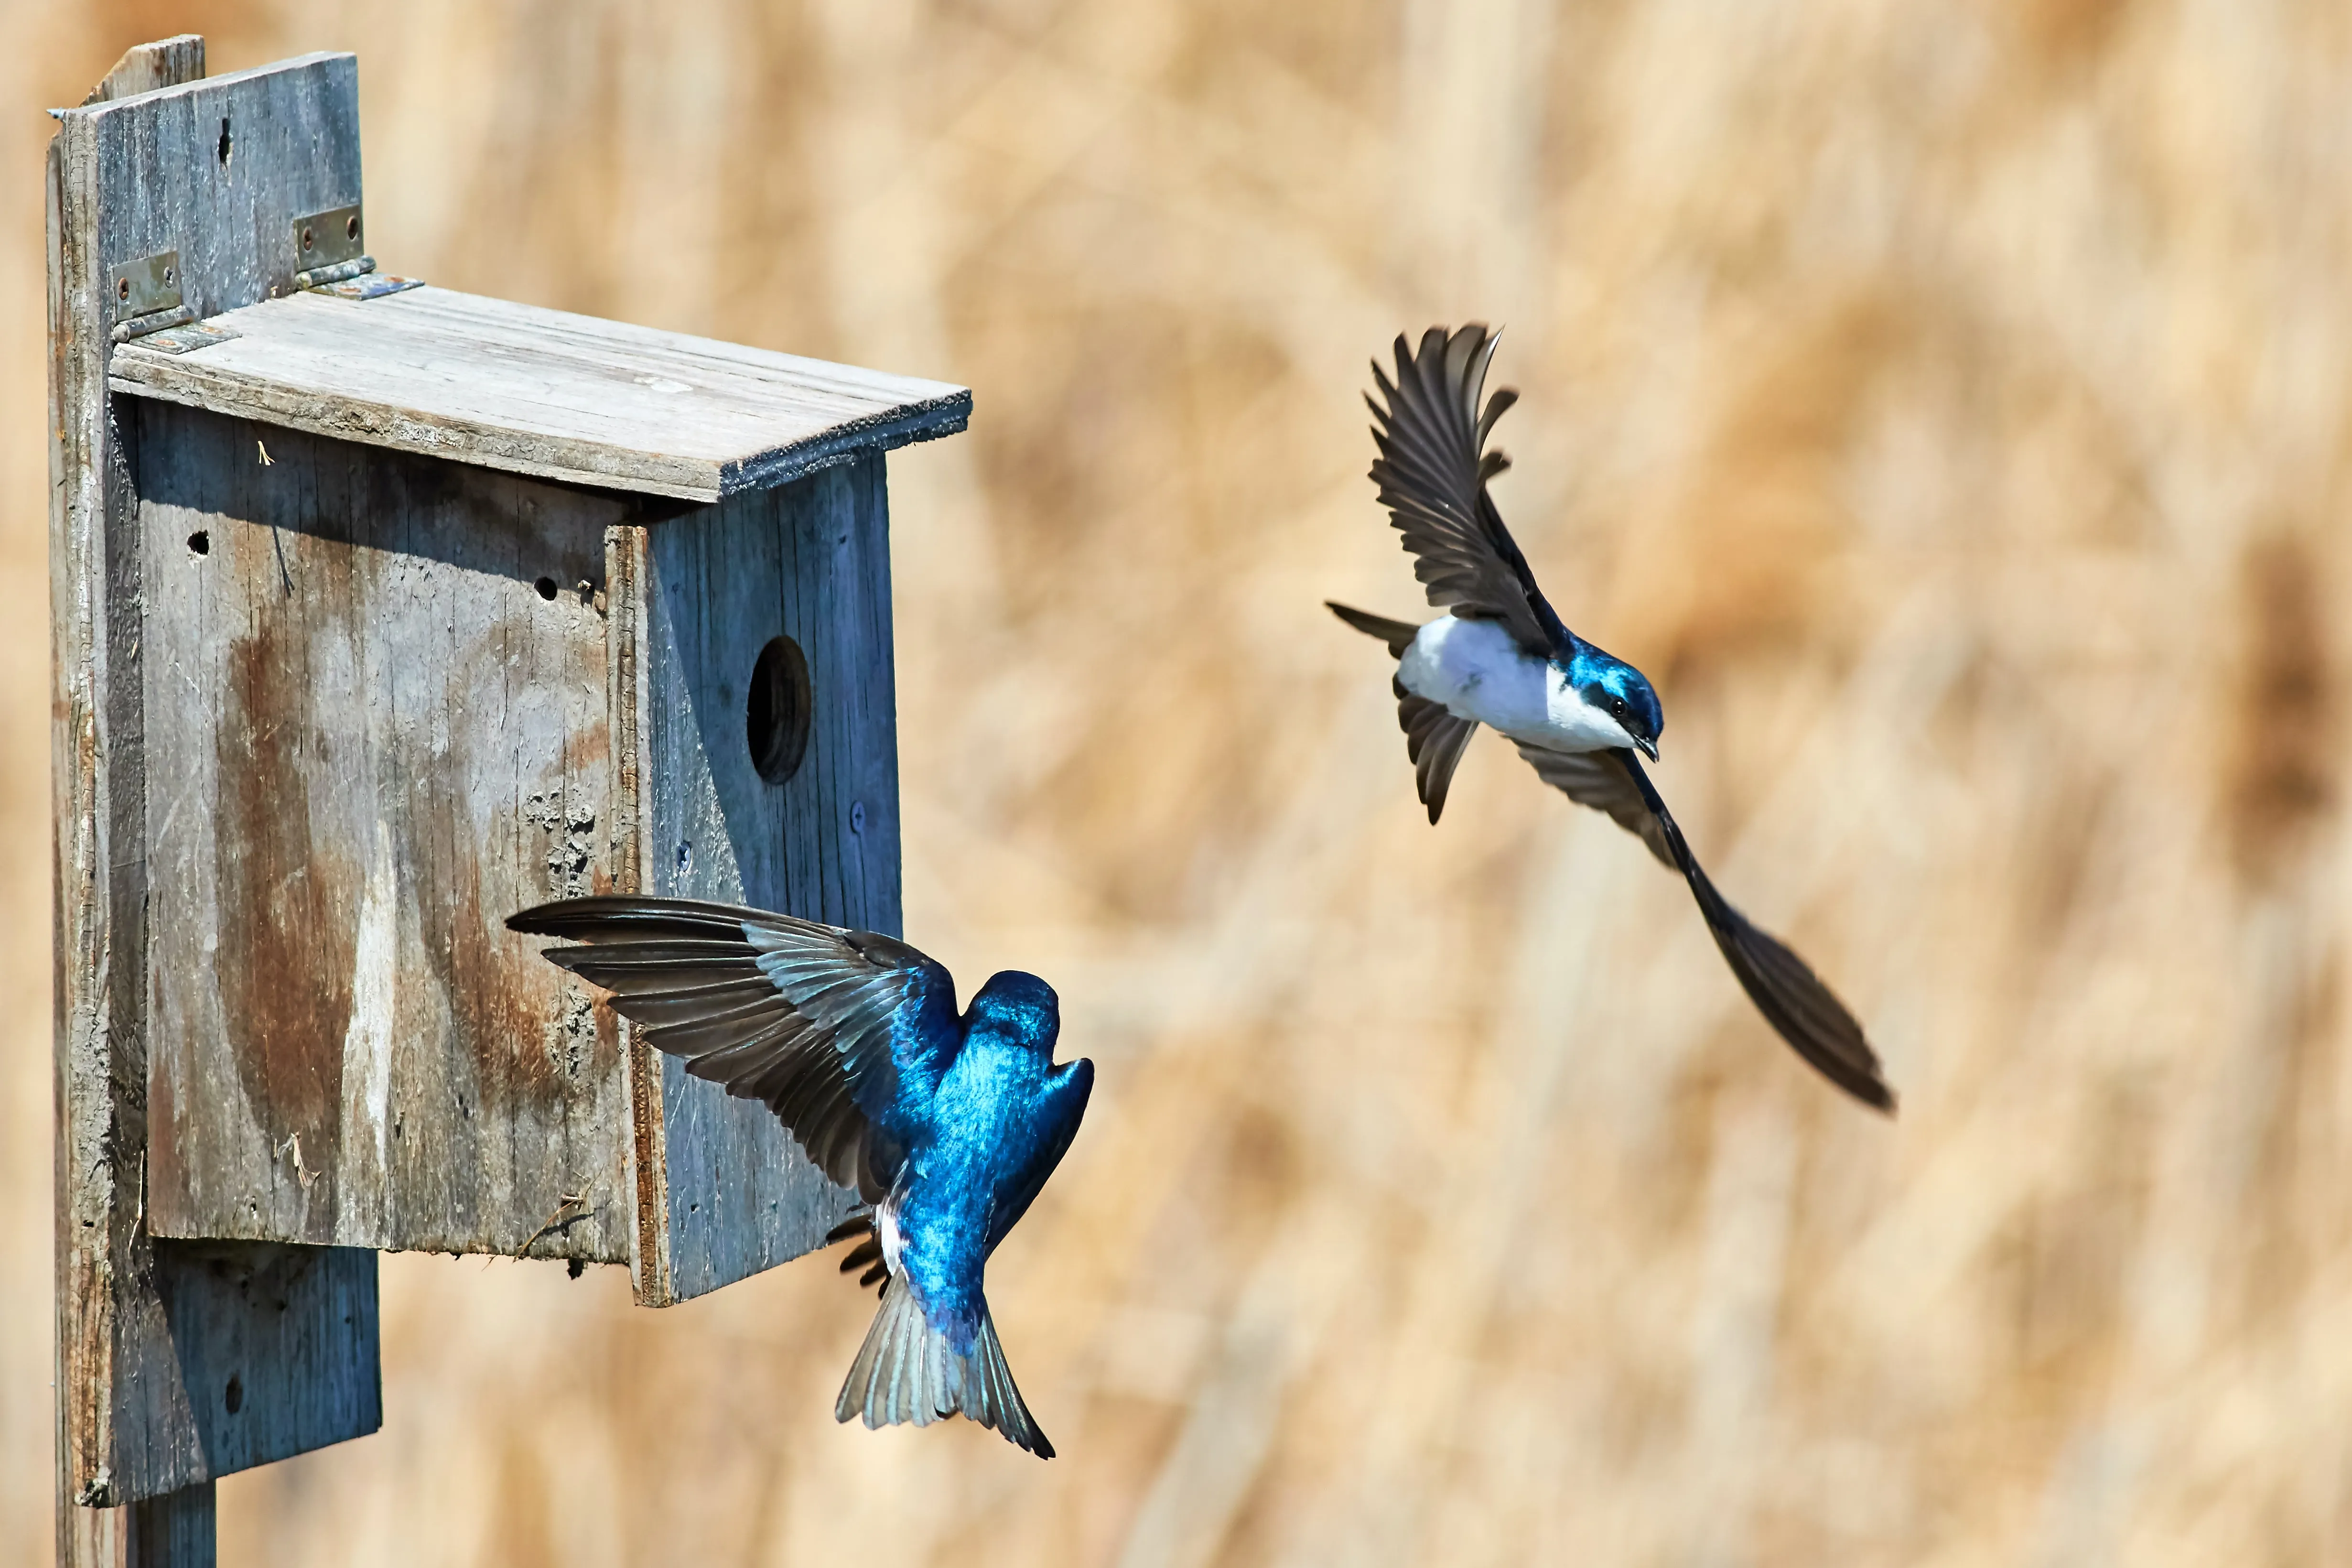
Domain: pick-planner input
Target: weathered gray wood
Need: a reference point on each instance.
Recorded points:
(294, 148)
(809, 562)
(127, 177)
(294, 1326)
(143, 68)
(269, 1340)
(175, 1531)
(544, 392)
(383, 741)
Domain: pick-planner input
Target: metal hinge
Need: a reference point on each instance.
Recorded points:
(330, 251)
(146, 296)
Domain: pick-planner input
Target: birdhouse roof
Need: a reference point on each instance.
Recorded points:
(534, 391)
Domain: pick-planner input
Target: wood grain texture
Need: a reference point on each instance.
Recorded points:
(144, 68)
(628, 568)
(127, 177)
(809, 562)
(380, 683)
(174, 1530)
(544, 392)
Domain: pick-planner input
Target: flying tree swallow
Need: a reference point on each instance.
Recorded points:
(946, 1124)
(1500, 656)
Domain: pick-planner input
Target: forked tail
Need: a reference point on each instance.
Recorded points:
(907, 1371)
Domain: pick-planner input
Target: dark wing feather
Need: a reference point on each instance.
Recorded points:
(1435, 738)
(1596, 779)
(1432, 472)
(836, 1030)
(1784, 988)
(1059, 1112)
(1397, 635)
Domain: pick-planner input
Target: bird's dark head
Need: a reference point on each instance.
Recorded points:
(1621, 694)
(1018, 1007)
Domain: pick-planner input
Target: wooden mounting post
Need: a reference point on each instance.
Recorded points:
(177, 1362)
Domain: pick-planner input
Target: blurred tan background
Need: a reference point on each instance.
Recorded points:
(1944, 405)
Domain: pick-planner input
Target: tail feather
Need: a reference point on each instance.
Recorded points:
(1398, 635)
(908, 1371)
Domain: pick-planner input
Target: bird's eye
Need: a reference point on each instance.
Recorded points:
(1617, 706)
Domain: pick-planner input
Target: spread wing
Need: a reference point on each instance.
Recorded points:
(1784, 988)
(1055, 1122)
(1598, 779)
(1433, 471)
(838, 1031)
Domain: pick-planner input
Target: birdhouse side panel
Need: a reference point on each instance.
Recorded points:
(771, 779)
(378, 726)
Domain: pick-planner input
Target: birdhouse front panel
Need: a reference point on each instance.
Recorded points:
(377, 724)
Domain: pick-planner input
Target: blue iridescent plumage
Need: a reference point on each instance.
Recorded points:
(947, 1124)
(994, 1129)
(1610, 684)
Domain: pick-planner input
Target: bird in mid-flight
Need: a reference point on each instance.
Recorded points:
(1500, 656)
(946, 1124)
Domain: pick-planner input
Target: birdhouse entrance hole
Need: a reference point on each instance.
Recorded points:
(776, 722)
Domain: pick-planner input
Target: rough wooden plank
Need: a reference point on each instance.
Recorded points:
(175, 1531)
(127, 177)
(267, 1336)
(144, 68)
(544, 392)
(809, 562)
(295, 1329)
(381, 684)
(628, 568)
(293, 138)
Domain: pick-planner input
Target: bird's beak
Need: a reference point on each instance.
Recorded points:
(1649, 748)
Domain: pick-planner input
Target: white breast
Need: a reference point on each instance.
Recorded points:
(1478, 671)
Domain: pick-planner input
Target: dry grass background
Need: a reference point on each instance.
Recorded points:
(1947, 404)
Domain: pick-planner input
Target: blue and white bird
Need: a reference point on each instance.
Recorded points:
(1500, 656)
(946, 1124)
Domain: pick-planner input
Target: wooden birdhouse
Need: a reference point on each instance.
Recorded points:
(383, 611)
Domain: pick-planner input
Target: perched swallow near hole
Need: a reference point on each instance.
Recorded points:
(1500, 656)
(946, 1124)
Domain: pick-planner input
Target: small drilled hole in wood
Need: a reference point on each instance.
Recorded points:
(351, 227)
(200, 542)
(776, 719)
(306, 239)
(546, 586)
(227, 145)
(122, 288)
(234, 1395)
